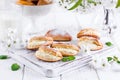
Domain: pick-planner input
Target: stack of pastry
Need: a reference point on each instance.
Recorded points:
(34, 2)
(49, 51)
(90, 38)
(56, 52)
(51, 47)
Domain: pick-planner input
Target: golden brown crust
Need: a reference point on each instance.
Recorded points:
(64, 49)
(50, 51)
(38, 39)
(65, 45)
(44, 2)
(88, 32)
(41, 38)
(58, 35)
(91, 40)
(23, 2)
(33, 47)
(65, 53)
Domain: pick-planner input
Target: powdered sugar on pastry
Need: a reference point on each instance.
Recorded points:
(57, 31)
(59, 35)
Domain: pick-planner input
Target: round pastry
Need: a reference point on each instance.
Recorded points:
(35, 42)
(59, 35)
(48, 54)
(88, 32)
(90, 42)
(66, 49)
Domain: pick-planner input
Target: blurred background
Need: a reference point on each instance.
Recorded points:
(23, 20)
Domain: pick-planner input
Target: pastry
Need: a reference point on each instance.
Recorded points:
(44, 2)
(48, 54)
(90, 42)
(59, 35)
(24, 2)
(66, 49)
(88, 32)
(34, 2)
(35, 42)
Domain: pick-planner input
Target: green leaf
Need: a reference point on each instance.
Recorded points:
(75, 5)
(91, 1)
(108, 43)
(109, 59)
(15, 67)
(64, 59)
(118, 4)
(69, 58)
(3, 57)
(115, 58)
(118, 62)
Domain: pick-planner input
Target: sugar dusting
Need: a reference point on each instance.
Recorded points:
(58, 31)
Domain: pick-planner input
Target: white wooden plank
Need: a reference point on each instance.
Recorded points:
(6, 73)
(110, 71)
(108, 75)
(81, 74)
(32, 75)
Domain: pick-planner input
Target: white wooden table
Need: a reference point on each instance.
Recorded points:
(56, 18)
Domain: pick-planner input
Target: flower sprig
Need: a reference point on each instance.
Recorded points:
(113, 59)
(75, 4)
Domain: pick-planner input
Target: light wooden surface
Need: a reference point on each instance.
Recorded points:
(54, 19)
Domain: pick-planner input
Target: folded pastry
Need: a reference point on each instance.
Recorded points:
(66, 49)
(35, 42)
(59, 35)
(48, 54)
(90, 42)
(88, 32)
